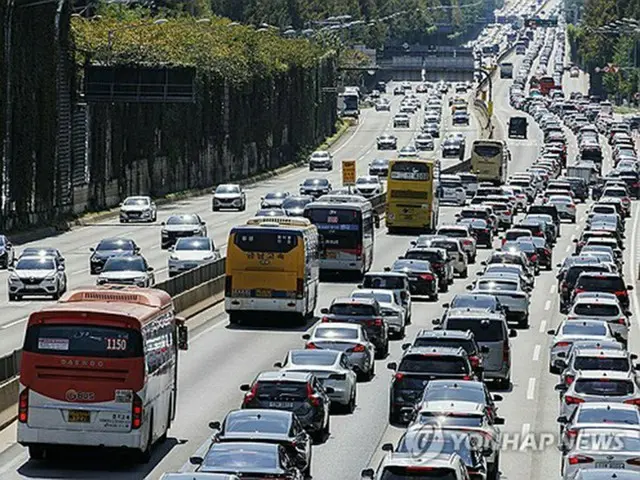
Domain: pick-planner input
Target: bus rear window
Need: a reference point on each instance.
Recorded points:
(325, 218)
(83, 341)
(486, 150)
(260, 241)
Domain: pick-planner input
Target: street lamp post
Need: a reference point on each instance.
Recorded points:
(111, 33)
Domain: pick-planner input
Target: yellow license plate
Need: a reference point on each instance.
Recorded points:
(263, 293)
(79, 416)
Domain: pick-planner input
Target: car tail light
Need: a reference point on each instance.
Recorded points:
(633, 401)
(569, 379)
(398, 376)
(427, 277)
(136, 412)
(377, 322)
(571, 433)
(437, 265)
(325, 319)
(228, 285)
(547, 251)
(635, 184)
(539, 234)
(504, 240)
(621, 321)
(315, 401)
(534, 257)
(311, 346)
(562, 344)
(570, 400)
(467, 242)
(23, 406)
(475, 361)
(507, 212)
(620, 293)
(576, 459)
(466, 377)
(300, 288)
(358, 348)
(578, 290)
(634, 461)
(358, 250)
(251, 394)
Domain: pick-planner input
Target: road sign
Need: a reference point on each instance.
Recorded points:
(348, 172)
(329, 89)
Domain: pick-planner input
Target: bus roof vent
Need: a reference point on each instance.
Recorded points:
(136, 295)
(279, 221)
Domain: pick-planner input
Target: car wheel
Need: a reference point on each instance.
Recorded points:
(465, 273)
(36, 452)
(12, 297)
(434, 297)
(351, 406)
(524, 322)
(444, 287)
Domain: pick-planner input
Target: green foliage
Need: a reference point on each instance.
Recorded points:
(236, 53)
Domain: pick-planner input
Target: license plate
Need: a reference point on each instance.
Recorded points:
(280, 404)
(32, 287)
(609, 465)
(263, 293)
(79, 416)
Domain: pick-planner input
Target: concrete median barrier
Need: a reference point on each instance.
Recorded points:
(9, 401)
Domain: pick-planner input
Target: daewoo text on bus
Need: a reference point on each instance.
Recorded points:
(272, 267)
(346, 225)
(412, 201)
(489, 160)
(99, 369)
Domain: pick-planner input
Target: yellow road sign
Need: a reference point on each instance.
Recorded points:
(348, 172)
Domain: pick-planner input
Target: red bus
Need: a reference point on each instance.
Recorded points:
(99, 369)
(546, 85)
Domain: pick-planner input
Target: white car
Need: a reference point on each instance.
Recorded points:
(565, 206)
(408, 151)
(37, 276)
(392, 310)
(321, 159)
(138, 209)
(452, 190)
(603, 309)
(331, 368)
(462, 232)
(570, 331)
(127, 270)
(368, 186)
(229, 196)
(511, 292)
(191, 252)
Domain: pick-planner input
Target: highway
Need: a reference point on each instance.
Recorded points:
(359, 144)
(222, 357)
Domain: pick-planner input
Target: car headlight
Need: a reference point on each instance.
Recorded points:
(101, 281)
(174, 257)
(96, 259)
(209, 257)
(50, 278)
(140, 279)
(14, 279)
(164, 233)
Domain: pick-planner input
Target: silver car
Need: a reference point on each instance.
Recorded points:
(321, 159)
(395, 282)
(229, 196)
(603, 309)
(127, 270)
(454, 249)
(368, 186)
(400, 465)
(597, 449)
(191, 252)
(37, 276)
(331, 368)
(348, 338)
(570, 331)
(586, 359)
(138, 209)
(600, 474)
(510, 269)
(464, 233)
(274, 199)
(392, 310)
(598, 386)
(452, 190)
(511, 292)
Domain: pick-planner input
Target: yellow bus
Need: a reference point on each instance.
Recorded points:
(412, 202)
(272, 266)
(489, 160)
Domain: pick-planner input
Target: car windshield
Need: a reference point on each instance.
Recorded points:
(290, 203)
(228, 189)
(580, 328)
(601, 363)
(483, 330)
(240, 456)
(451, 420)
(281, 390)
(247, 422)
(453, 393)
(35, 264)
(380, 163)
(363, 180)
(600, 283)
(324, 358)
(413, 440)
(432, 364)
(110, 245)
(120, 264)
(275, 195)
(487, 302)
(596, 309)
(603, 387)
(189, 244)
(382, 297)
(614, 192)
(314, 182)
(453, 232)
(497, 285)
(608, 415)
(136, 201)
(35, 251)
(353, 309)
(382, 281)
(183, 220)
(336, 333)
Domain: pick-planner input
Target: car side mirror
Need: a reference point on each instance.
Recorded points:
(11, 269)
(446, 305)
(633, 356)
(367, 473)
(306, 336)
(486, 452)
(497, 398)
(637, 366)
(163, 223)
(324, 311)
(484, 349)
(560, 364)
(172, 249)
(469, 287)
(513, 333)
(245, 387)
(436, 321)
(9, 246)
(196, 460)
(62, 260)
(561, 387)
(483, 263)
(387, 447)
(413, 243)
(329, 390)
(387, 269)
(562, 419)
(629, 287)
(92, 249)
(392, 366)
(498, 421)
(406, 346)
(214, 425)
(61, 268)
(278, 365)
(150, 269)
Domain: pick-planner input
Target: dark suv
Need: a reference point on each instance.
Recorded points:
(452, 339)
(365, 312)
(297, 392)
(604, 282)
(417, 367)
(567, 281)
(440, 262)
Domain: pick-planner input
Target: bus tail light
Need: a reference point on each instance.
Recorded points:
(136, 410)
(358, 251)
(23, 406)
(227, 285)
(300, 288)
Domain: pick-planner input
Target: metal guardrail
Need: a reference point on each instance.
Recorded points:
(10, 365)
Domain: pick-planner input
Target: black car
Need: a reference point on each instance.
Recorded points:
(567, 281)
(632, 181)
(480, 229)
(297, 392)
(248, 460)
(267, 426)
(316, 187)
(453, 339)
(439, 261)
(7, 253)
(518, 127)
(545, 254)
(365, 312)
(528, 248)
(590, 281)
(379, 167)
(416, 368)
(176, 226)
(294, 205)
(110, 247)
(579, 187)
(422, 279)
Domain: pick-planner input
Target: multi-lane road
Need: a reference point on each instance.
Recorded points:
(222, 357)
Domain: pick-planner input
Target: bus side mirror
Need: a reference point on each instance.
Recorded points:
(183, 334)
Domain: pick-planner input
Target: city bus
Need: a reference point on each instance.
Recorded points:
(489, 160)
(506, 70)
(346, 232)
(99, 369)
(272, 267)
(412, 200)
(546, 84)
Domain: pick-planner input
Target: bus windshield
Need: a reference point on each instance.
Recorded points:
(486, 150)
(410, 171)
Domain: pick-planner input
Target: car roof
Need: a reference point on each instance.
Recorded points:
(332, 325)
(461, 334)
(350, 300)
(613, 300)
(260, 413)
(284, 375)
(434, 351)
(601, 374)
(475, 314)
(410, 459)
(386, 274)
(600, 352)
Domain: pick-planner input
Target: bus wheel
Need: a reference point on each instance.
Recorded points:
(144, 456)
(36, 452)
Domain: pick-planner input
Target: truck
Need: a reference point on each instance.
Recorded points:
(584, 170)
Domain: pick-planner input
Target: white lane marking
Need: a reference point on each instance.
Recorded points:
(536, 352)
(14, 323)
(77, 272)
(573, 237)
(568, 249)
(547, 305)
(212, 327)
(552, 289)
(543, 326)
(348, 140)
(531, 388)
